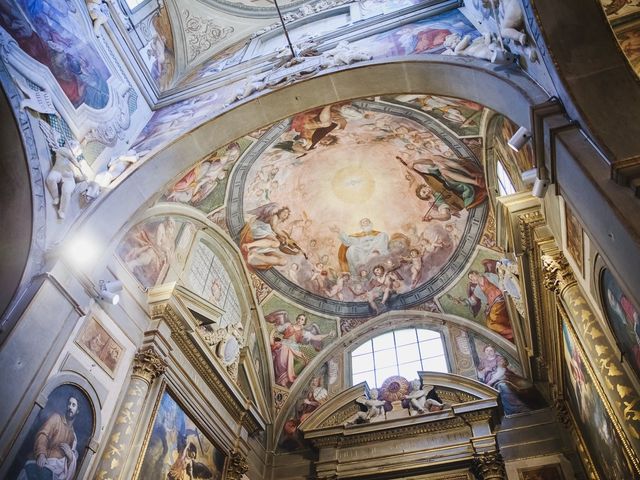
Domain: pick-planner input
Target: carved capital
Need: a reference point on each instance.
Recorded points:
(562, 412)
(148, 365)
(489, 466)
(557, 273)
(238, 465)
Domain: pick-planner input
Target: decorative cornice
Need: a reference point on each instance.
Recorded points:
(148, 365)
(557, 274)
(238, 465)
(489, 466)
(527, 223)
(212, 377)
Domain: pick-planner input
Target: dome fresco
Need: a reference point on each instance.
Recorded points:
(358, 207)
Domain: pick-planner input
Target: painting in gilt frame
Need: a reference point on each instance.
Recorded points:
(595, 425)
(100, 346)
(575, 243)
(176, 447)
(57, 441)
(544, 472)
(623, 318)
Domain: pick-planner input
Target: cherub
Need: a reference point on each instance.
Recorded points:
(337, 289)
(415, 258)
(374, 408)
(419, 401)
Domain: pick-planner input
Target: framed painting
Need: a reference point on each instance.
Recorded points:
(96, 341)
(176, 447)
(544, 472)
(596, 426)
(575, 242)
(623, 318)
(57, 441)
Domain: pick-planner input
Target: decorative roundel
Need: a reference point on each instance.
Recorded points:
(228, 350)
(358, 207)
(394, 388)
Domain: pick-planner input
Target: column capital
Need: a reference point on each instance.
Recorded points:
(489, 466)
(557, 273)
(148, 365)
(238, 465)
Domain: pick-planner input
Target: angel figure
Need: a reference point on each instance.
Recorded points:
(483, 288)
(372, 408)
(286, 339)
(63, 175)
(419, 399)
(263, 241)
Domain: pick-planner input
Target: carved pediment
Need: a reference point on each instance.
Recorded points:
(357, 412)
(196, 329)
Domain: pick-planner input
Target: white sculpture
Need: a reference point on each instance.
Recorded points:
(375, 408)
(510, 19)
(99, 13)
(418, 400)
(63, 174)
(343, 54)
(117, 166)
(482, 47)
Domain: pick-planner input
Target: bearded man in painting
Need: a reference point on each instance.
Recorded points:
(54, 450)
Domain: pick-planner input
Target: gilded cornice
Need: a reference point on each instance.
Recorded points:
(233, 402)
(148, 365)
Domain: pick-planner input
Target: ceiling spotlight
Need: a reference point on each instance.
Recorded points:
(109, 291)
(540, 187)
(519, 139)
(529, 176)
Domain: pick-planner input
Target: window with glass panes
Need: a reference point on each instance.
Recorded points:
(505, 185)
(399, 352)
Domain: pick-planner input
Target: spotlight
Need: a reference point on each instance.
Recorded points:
(519, 139)
(540, 187)
(109, 291)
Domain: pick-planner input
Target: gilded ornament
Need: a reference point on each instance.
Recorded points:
(148, 365)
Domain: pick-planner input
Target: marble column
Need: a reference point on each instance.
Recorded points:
(489, 466)
(147, 366)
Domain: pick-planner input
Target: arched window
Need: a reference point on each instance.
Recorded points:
(399, 352)
(505, 185)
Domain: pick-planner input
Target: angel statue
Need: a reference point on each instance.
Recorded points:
(286, 339)
(372, 408)
(263, 241)
(420, 400)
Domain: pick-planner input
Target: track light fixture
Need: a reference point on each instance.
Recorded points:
(519, 139)
(109, 289)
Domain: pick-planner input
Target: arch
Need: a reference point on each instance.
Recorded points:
(511, 94)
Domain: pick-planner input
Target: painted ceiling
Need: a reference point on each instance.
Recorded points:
(342, 214)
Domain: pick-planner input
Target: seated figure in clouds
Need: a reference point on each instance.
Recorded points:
(358, 248)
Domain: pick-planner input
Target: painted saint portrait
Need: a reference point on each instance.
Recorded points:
(624, 319)
(575, 243)
(51, 33)
(149, 249)
(177, 448)
(203, 186)
(590, 414)
(100, 345)
(517, 393)
(480, 295)
(313, 396)
(357, 202)
(56, 444)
